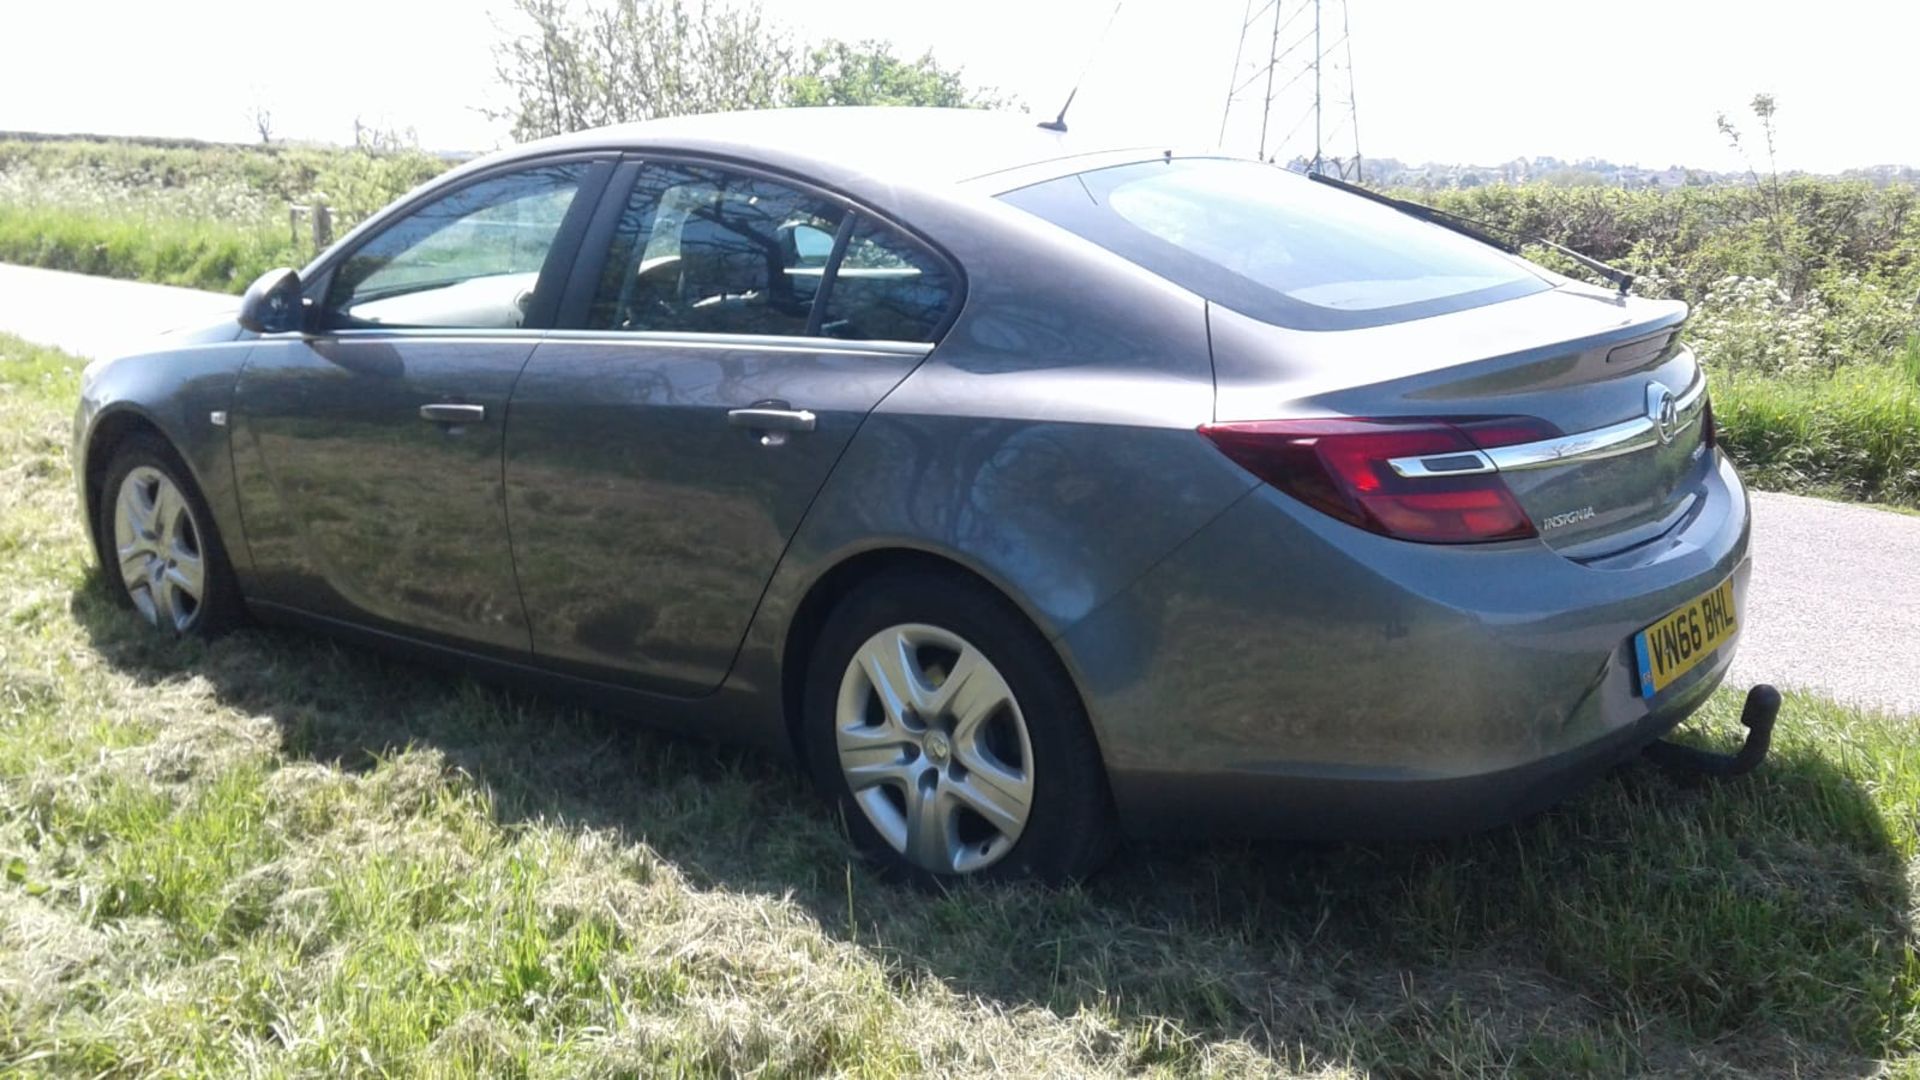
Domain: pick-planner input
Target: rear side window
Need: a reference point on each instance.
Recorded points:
(714, 251)
(1275, 245)
(706, 249)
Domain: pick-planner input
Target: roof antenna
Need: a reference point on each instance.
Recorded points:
(1059, 123)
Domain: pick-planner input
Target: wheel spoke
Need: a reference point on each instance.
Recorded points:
(887, 662)
(928, 822)
(973, 692)
(996, 793)
(166, 601)
(133, 565)
(135, 509)
(866, 765)
(169, 511)
(185, 578)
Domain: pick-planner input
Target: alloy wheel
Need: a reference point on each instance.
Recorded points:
(157, 544)
(934, 748)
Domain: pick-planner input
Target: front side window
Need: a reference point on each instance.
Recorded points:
(709, 250)
(469, 260)
(1277, 246)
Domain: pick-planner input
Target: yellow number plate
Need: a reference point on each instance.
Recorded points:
(1676, 644)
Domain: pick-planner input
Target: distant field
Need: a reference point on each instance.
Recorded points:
(276, 855)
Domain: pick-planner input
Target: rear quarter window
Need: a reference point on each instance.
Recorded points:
(1276, 246)
(887, 287)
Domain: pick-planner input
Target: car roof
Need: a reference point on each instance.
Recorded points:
(926, 146)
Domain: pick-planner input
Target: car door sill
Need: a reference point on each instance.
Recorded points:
(724, 715)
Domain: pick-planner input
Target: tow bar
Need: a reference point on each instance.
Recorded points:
(1763, 704)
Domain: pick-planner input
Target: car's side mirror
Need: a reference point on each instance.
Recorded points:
(272, 304)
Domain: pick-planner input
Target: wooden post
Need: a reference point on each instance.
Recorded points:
(322, 225)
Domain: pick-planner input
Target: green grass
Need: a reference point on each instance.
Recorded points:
(277, 855)
(1854, 433)
(218, 256)
(201, 215)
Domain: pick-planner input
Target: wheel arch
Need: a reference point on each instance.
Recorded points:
(840, 579)
(111, 429)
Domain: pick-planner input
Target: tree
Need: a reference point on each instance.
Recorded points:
(576, 64)
(1780, 222)
(839, 73)
(262, 117)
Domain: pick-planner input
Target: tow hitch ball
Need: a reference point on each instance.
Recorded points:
(1763, 704)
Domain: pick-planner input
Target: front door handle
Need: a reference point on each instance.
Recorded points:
(773, 421)
(453, 414)
(762, 418)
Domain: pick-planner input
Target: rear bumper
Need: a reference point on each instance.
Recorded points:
(1364, 805)
(1284, 674)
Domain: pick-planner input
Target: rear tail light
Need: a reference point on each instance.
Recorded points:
(1341, 467)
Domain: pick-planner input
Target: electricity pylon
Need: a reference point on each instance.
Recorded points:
(1307, 75)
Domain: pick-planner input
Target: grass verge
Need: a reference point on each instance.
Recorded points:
(277, 855)
(1855, 432)
(219, 256)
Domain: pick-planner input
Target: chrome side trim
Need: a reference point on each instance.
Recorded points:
(795, 343)
(686, 338)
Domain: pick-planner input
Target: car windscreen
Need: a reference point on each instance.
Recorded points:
(1276, 246)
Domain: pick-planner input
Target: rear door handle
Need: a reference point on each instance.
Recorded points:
(453, 414)
(761, 418)
(773, 420)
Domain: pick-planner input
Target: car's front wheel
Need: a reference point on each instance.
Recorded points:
(944, 726)
(161, 552)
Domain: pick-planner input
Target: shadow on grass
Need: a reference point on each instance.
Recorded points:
(1759, 925)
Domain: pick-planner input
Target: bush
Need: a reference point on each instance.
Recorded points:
(1824, 275)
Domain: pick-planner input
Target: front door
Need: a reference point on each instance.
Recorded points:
(664, 449)
(368, 449)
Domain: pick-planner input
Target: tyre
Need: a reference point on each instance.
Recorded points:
(946, 729)
(162, 555)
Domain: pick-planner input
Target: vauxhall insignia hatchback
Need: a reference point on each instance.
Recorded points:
(1025, 491)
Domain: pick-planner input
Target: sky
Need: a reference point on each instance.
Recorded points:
(1467, 81)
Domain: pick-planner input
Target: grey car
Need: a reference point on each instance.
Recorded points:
(1024, 490)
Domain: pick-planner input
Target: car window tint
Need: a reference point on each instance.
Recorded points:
(468, 260)
(713, 251)
(887, 288)
(1278, 246)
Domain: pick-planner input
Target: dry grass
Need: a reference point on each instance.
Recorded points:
(276, 855)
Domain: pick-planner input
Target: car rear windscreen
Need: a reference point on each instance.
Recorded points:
(1276, 246)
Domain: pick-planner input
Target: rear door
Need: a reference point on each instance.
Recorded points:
(725, 334)
(367, 450)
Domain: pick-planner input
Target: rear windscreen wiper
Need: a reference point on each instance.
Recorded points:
(1479, 230)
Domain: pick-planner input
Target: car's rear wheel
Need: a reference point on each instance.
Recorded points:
(944, 726)
(163, 556)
